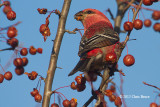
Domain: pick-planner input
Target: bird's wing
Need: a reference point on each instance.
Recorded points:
(106, 38)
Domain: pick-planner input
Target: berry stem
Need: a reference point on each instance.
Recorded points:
(155, 98)
(2, 68)
(80, 32)
(115, 46)
(127, 49)
(2, 41)
(37, 84)
(40, 84)
(137, 6)
(121, 89)
(54, 97)
(60, 95)
(3, 33)
(62, 87)
(3, 37)
(128, 13)
(143, 14)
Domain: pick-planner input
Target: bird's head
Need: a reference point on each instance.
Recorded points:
(91, 16)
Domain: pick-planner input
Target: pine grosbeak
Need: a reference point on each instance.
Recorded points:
(98, 39)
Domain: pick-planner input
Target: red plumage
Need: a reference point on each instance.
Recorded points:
(96, 42)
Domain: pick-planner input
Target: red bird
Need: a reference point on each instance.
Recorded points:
(98, 40)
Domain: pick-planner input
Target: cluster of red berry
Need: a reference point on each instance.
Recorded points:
(111, 93)
(11, 15)
(67, 103)
(21, 62)
(81, 83)
(44, 28)
(42, 11)
(138, 24)
(12, 32)
(37, 96)
(149, 2)
(7, 76)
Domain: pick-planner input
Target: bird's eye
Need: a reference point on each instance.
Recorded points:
(89, 12)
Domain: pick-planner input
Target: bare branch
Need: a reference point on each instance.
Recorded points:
(55, 52)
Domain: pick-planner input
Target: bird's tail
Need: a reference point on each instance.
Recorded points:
(80, 66)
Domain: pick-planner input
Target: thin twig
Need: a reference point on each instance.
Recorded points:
(151, 85)
(72, 32)
(112, 17)
(121, 90)
(1, 5)
(129, 4)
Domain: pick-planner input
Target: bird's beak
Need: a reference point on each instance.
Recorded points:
(79, 16)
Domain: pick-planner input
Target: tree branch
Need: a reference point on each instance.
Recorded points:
(54, 54)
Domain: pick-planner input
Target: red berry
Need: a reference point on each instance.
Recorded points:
(6, 3)
(147, 22)
(34, 92)
(112, 98)
(8, 75)
(153, 104)
(111, 57)
(32, 75)
(78, 77)
(81, 80)
(147, 2)
(40, 50)
(32, 50)
(19, 70)
(24, 51)
(73, 86)
(25, 61)
(118, 101)
(128, 26)
(13, 42)
(73, 102)
(66, 103)
(42, 11)
(12, 32)
(156, 15)
(42, 28)
(138, 24)
(112, 88)
(128, 60)
(18, 62)
(108, 92)
(80, 87)
(156, 27)
(1, 78)
(54, 105)
(11, 15)
(7, 9)
(38, 98)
